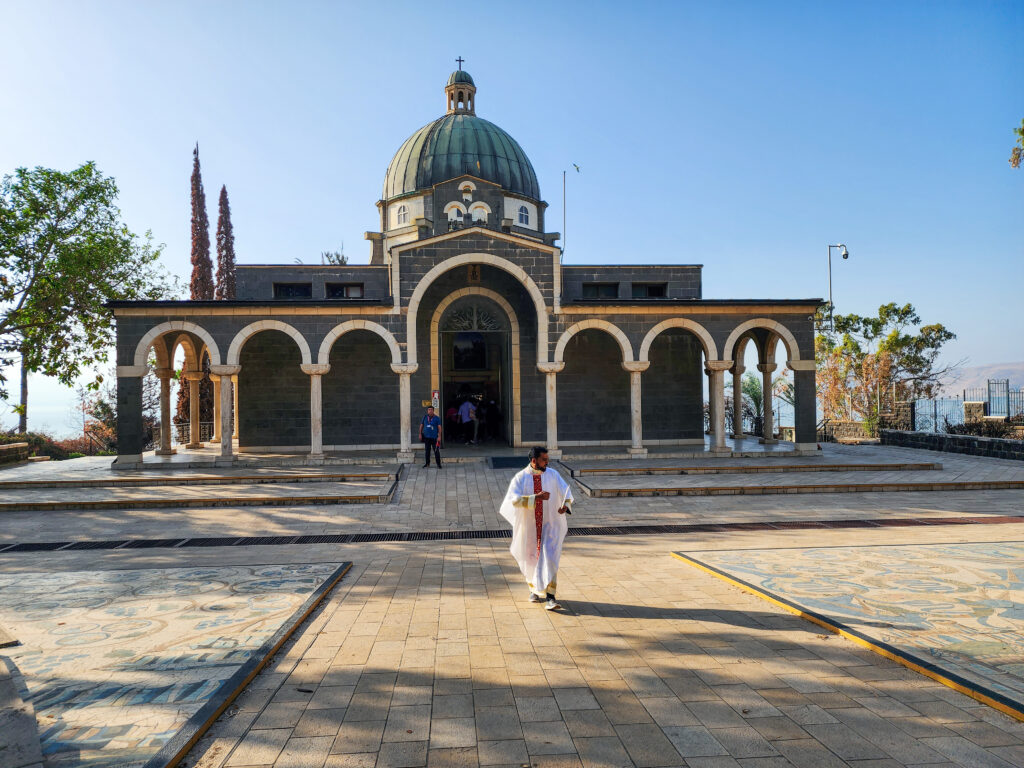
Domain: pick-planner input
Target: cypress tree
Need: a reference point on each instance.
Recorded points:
(225, 249)
(201, 284)
(201, 288)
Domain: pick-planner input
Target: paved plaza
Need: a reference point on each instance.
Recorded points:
(427, 653)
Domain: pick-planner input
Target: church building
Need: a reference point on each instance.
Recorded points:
(465, 296)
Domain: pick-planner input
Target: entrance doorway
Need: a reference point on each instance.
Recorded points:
(475, 366)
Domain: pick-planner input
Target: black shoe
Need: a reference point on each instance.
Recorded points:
(426, 466)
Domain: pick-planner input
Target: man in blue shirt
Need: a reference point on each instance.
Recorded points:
(430, 435)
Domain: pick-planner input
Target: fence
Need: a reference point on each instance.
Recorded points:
(180, 432)
(932, 415)
(1000, 400)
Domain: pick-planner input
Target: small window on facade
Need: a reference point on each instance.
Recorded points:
(293, 290)
(344, 290)
(600, 290)
(524, 215)
(649, 290)
(403, 215)
(479, 214)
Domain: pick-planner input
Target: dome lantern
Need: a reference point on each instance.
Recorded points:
(460, 92)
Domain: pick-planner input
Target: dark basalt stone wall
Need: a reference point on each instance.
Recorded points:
(273, 393)
(360, 393)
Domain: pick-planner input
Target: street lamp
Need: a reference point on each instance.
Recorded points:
(845, 254)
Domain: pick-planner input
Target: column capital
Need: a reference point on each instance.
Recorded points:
(737, 370)
(636, 366)
(164, 373)
(801, 365)
(225, 370)
(767, 367)
(131, 371)
(193, 375)
(719, 365)
(404, 369)
(315, 369)
(551, 367)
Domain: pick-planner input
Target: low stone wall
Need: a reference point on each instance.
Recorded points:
(937, 441)
(13, 452)
(843, 430)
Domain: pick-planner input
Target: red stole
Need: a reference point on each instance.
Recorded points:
(538, 508)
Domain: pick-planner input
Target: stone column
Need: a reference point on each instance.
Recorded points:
(717, 399)
(234, 402)
(316, 410)
(193, 378)
(805, 394)
(216, 408)
(737, 401)
(165, 375)
(767, 369)
(635, 368)
(130, 442)
(405, 372)
(711, 402)
(228, 375)
(551, 371)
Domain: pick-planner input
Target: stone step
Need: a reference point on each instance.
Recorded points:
(683, 485)
(749, 469)
(19, 734)
(180, 496)
(184, 477)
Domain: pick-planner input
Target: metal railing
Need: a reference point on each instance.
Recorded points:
(933, 415)
(1000, 400)
(181, 433)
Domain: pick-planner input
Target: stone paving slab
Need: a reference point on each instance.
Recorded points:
(739, 467)
(116, 662)
(652, 663)
(953, 609)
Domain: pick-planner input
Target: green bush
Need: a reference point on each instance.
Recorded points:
(39, 444)
(1001, 429)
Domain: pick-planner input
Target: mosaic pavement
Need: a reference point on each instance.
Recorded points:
(958, 606)
(116, 661)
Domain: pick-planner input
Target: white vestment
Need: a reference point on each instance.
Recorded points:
(540, 569)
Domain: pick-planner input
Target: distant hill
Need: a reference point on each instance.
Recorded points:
(978, 376)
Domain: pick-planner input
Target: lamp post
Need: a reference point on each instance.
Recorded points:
(845, 254)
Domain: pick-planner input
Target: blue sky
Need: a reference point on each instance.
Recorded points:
(742, 136)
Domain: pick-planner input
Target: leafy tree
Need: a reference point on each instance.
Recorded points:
(64, 253)
(867, 361)
(225, 249)
(201, 286)
(1017, 153)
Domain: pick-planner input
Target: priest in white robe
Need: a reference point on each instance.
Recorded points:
(536, 504)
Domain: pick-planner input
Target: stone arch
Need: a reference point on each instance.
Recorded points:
(266, 325)
(142, 348)
(193, 357)
(604, 325)
(477, 258)
(698, 330)
(324, 355)
(435, 352)
(777, 328)
(452, 206)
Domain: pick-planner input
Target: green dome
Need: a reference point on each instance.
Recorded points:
(460, 76)
(458, 144)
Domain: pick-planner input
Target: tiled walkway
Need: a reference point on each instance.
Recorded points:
(428, 654)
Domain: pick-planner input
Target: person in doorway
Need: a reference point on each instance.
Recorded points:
(430, 436)
(468, 420)
(536, 505)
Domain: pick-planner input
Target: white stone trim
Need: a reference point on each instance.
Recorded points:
(142, 348)
(477, 258)
(235, 350)
(801, 365)
(792, 348)
(698, 330)
(435, 351)
(324, 355)
(453, 205)
(603, 325)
